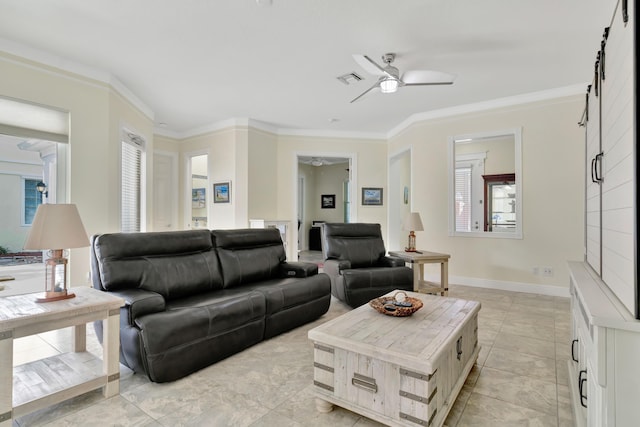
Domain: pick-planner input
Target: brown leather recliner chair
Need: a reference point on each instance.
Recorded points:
(356, 263)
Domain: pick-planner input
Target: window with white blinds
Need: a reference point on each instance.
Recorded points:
(463, 199)
(131, 182)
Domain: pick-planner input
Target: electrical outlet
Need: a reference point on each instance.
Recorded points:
(535, 271)
(547, 271)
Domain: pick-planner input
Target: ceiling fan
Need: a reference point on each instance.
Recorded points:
(390, 79)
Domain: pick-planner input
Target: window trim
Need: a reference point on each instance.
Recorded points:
(137, 142)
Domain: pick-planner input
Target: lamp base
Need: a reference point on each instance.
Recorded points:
(410, 249)
(54, 296)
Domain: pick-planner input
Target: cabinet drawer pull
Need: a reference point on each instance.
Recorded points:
(581, 388)
(364, 382)
(573, 346)
(459, 348)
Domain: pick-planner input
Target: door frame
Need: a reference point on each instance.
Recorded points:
(186, 207)
(353, 184)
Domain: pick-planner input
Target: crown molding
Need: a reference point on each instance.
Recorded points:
(323, 133)
(70, 69)
(493, 104)
(74, 70)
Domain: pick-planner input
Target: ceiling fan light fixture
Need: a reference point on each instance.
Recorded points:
(389, 85)
(317, 162)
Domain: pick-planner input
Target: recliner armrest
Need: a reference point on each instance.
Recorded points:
(334, 267)
(138, 302)
(391, 261)
(298, 269)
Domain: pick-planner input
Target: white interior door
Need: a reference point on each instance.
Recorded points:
(165, 191)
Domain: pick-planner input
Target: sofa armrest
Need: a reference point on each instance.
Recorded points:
(391, 261)
(334, 267)
(298, 269)
(138, 302)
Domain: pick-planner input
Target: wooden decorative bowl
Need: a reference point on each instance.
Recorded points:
(388, 305)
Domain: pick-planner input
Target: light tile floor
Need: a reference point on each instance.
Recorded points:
(520, 378)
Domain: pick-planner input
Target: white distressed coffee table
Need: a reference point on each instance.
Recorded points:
(397, 370)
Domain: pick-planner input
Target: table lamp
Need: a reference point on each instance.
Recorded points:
(412, 222)
(56, 226)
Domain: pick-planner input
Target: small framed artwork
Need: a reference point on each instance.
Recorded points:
(198, 198)
(371, 196)
(406, 195)
(328, 201)
(222, 192)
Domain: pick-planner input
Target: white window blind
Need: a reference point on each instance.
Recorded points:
(131, 182)
(463, 199)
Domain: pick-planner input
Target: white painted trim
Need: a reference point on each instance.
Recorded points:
(531, 288)
(451, 140)
(577, 89)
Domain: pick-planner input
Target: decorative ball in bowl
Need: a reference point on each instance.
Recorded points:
(398, 305)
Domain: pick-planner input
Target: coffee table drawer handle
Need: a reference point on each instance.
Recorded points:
(364, 382)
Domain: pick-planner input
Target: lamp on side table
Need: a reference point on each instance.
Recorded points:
(412, 223)
(56, 226)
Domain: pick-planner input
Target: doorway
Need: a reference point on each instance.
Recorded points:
(324, 194)
(400, 199)
(198, 194)
(165, 191)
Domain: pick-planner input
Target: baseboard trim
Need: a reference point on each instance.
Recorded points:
(531, 288)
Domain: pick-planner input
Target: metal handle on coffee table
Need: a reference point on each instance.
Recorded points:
(364, 382)
(459, 347)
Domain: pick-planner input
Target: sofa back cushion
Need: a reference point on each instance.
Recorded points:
(249, 255)
(359, 243)
(173, 263)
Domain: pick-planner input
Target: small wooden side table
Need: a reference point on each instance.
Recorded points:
(35, 385)
(417, 260)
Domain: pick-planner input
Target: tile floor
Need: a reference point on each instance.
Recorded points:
(520, 378)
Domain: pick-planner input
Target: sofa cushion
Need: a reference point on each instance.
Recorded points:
(199, 317)
(249, 255)
(174, 264)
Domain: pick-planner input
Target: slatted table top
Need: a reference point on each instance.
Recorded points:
(413, 341)
(22, 310)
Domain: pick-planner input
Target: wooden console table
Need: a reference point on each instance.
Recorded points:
(417, 260)
(35, 385)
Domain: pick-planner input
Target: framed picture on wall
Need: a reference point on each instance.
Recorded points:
(328, 201)
(222, 192)
(198, 198)
(371, 196)
(406, 195)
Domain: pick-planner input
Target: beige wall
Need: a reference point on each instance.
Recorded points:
(262, 175)
(553, 190)
(329, 180)
(93, 161)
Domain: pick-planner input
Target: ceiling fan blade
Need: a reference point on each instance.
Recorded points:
(428, 84)
(415, 77)
(377, 84)
(369, 65)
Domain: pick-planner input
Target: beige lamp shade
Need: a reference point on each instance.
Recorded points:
(57, 226)
(412, 222)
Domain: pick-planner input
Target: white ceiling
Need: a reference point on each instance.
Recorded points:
(195, 63)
